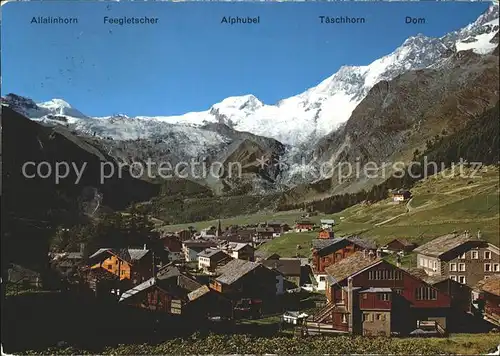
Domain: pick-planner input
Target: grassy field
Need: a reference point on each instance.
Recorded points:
(440, 205)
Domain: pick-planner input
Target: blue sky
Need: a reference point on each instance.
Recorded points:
(189, 61)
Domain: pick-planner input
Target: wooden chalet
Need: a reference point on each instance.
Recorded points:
(304, 225)
(400, 245)
(486, 298)
(126, 263)
(460, 293)
(248, 282)
(175, 292)
(290, 268)
(326, 252)
(369, 296)
(326, 234)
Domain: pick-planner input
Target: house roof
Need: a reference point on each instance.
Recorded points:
(443, 244)
(350, 265)
(234, 270)
(126, 254)
(328, 221)
(490, 285)
(320, 244)
(236, 246)
(210, 252)
(102, 274)
(198, 244)
(138, 288)
(422, 275)
(416, 272)
(404, 242)
(289, 267)
(304, 222)
(182, 286)
(167, 272)
(197, 293)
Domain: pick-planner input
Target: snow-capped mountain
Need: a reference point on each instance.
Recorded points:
(477, 35)
(303, 118)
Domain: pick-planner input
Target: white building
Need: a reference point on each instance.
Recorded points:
(327, 224)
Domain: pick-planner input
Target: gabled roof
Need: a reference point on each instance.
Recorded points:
(102, 274)
(180, 287)
(422, 275)
(167, 272)
(138, 288)
(289, 267)
(198, 244)
(236, 246)
(490, 285)
(129, 255)
(443, 244)
(404, 242)
(234, 270)
(321, 244)
(210, 252)
(197, 293)
(350, 265)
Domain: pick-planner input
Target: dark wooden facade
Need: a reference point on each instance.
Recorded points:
(332, 254)
(385, 300)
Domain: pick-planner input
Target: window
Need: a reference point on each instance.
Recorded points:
(421, 262)
(425, 293)
(110, 266)
(474, 254)
(384, 296)
(365, 296)
(461, 267)
(116, 262)
(425, 262)
(453, 267)
(435, 265)
(122, 272)
(367, 317)
(496, 267)
(377, 316)
(321, 278)
(398, 290)
(462, 256)
(487, 267)
(385, 275)
(461, 279)
(487, 255)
